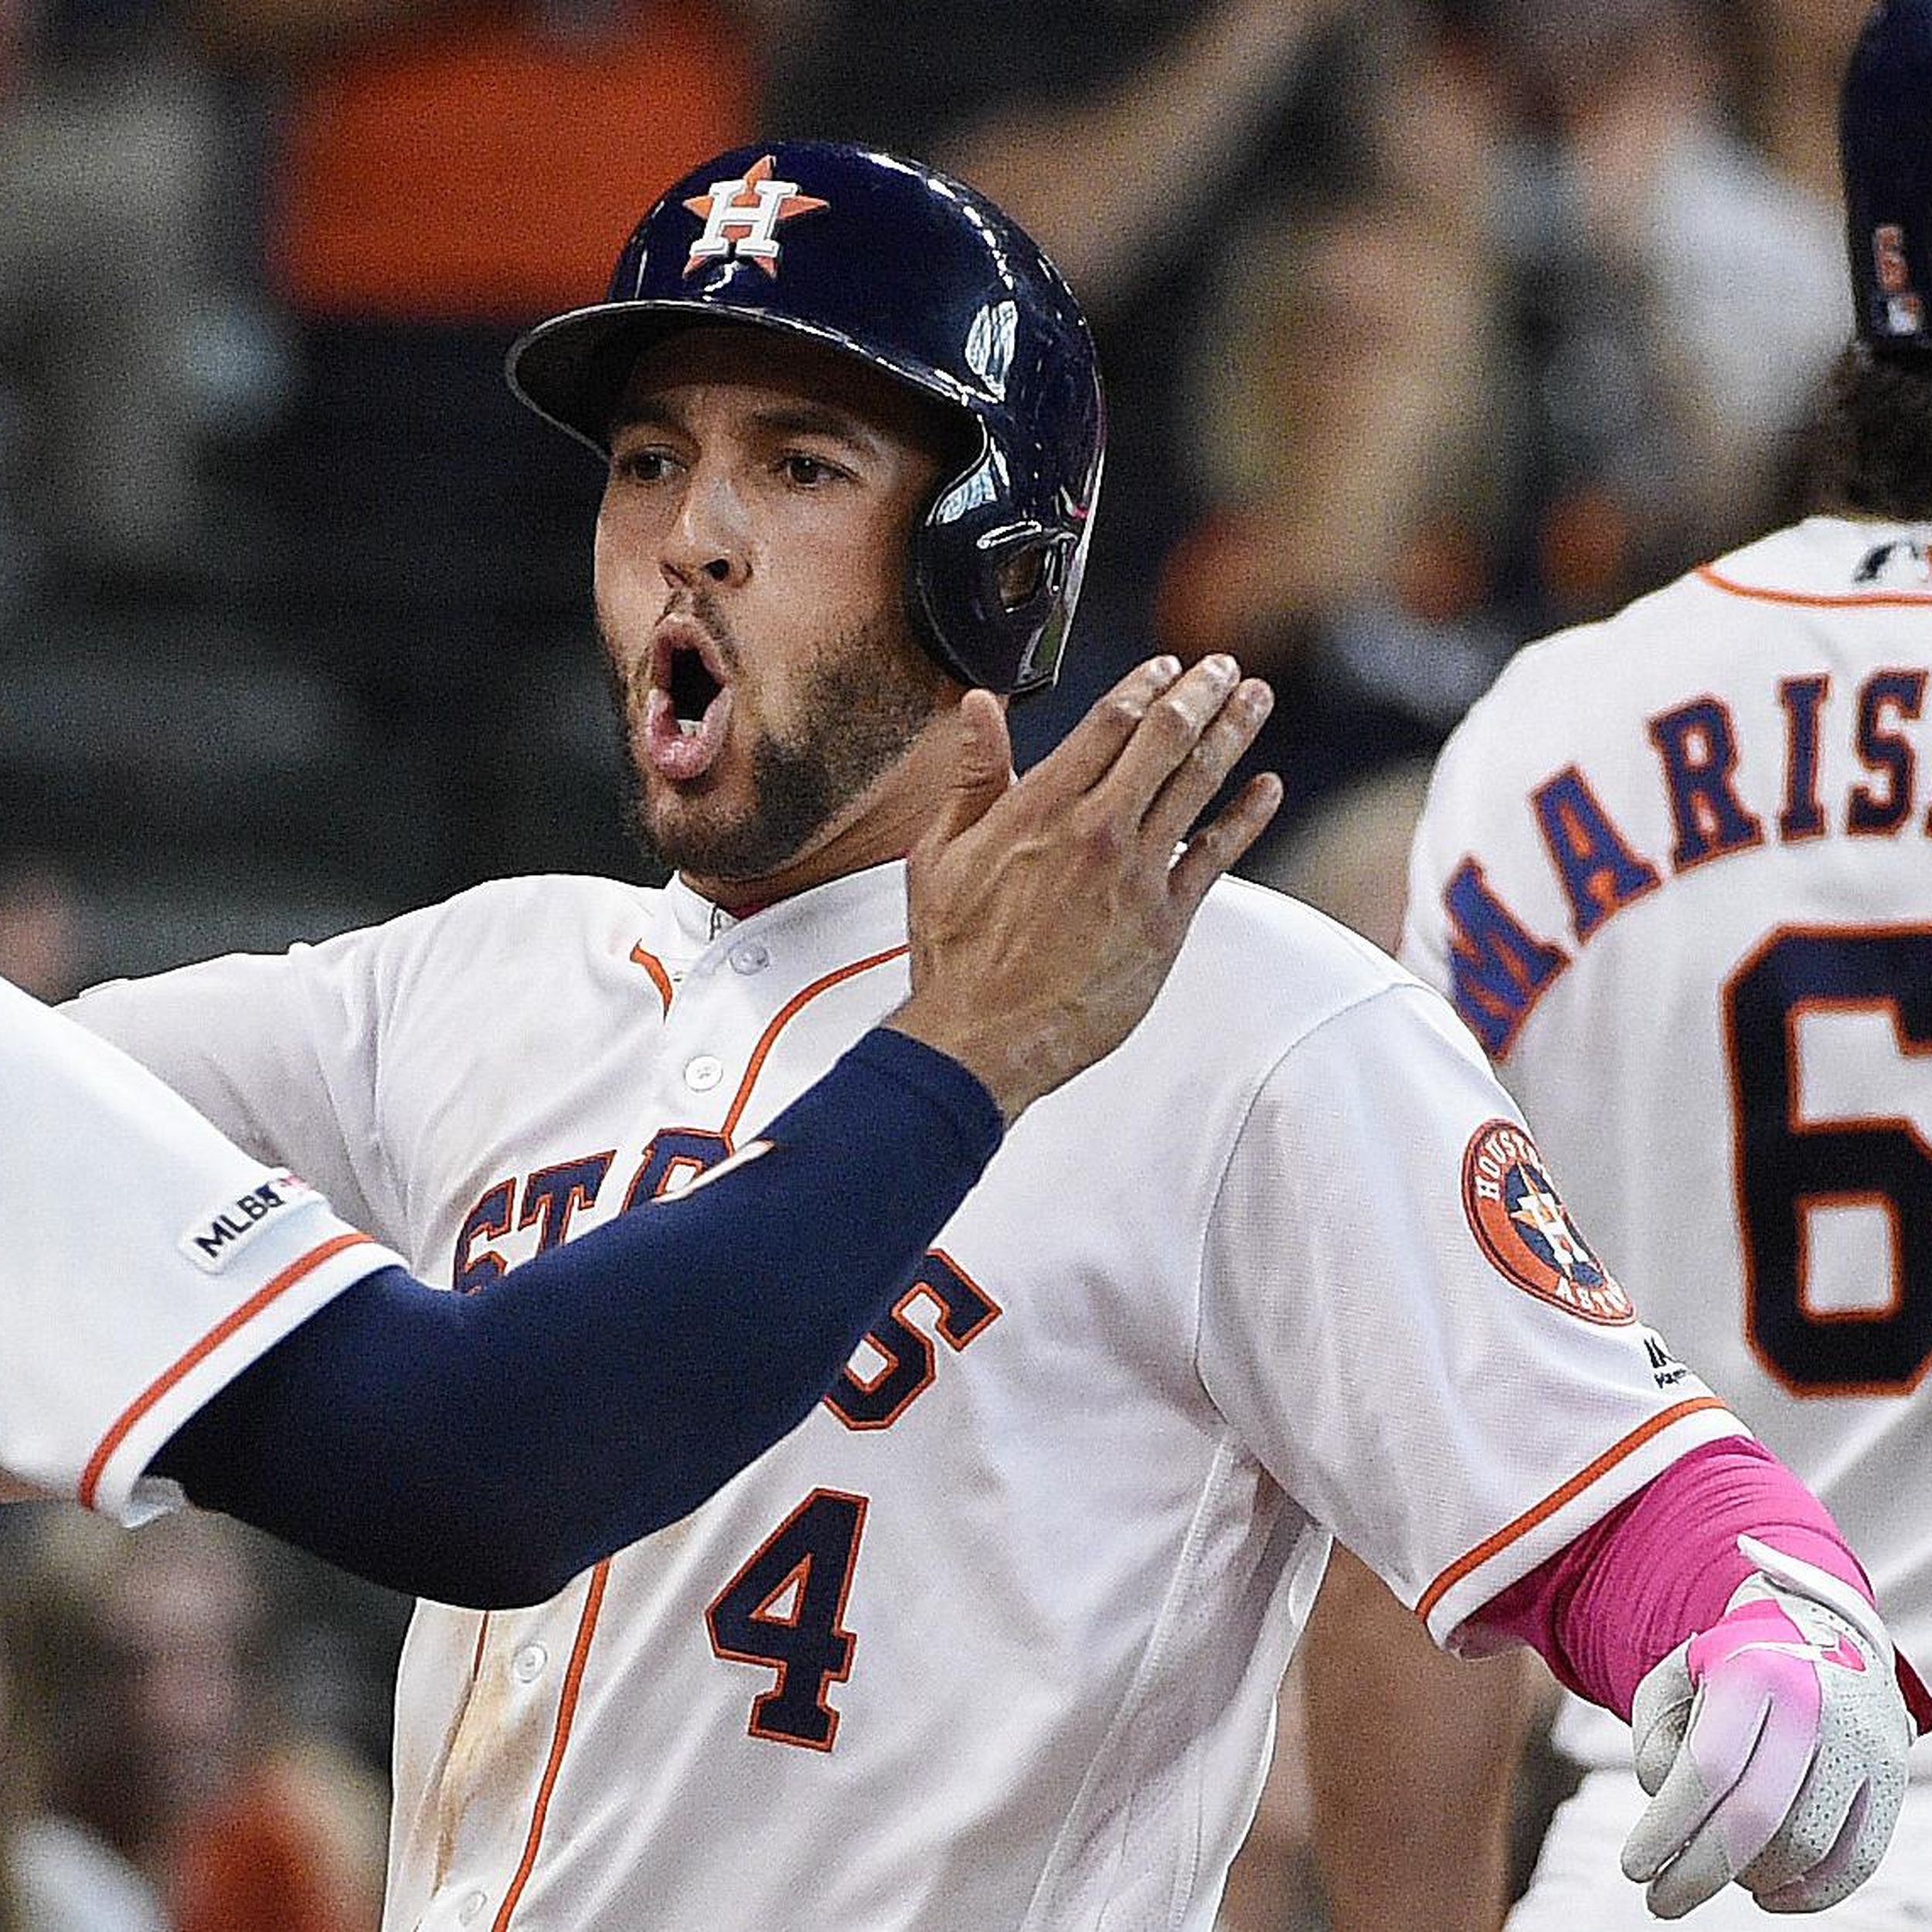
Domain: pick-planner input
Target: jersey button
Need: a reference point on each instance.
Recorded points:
(749, 958)
(527, 1666)
(473, 1904)
(704, 1073)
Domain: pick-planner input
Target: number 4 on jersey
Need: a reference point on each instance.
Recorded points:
(786, 1609)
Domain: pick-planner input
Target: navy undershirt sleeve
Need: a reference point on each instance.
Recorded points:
(483, 1449)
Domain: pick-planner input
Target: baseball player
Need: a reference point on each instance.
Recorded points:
(992, 1639)
(1673, 871)
(277, 1360)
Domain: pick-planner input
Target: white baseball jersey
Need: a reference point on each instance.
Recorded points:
(1676, 870)
(146, 1263)
(992, 1639)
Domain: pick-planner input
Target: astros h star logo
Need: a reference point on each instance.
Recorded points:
(741, 218)
(1520, 1221)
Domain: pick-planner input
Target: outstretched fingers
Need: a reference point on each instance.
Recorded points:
(1192, 735)
(1043, 920)
(1198, 776)
(1089, 751)
(1175, 723)
(1220, 843)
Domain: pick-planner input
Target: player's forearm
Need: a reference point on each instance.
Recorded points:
(1411, 1761)
(485, 1449)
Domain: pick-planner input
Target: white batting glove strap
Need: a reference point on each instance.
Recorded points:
(1774, 1745)
(1775, 1569)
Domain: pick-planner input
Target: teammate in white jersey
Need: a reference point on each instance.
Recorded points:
(1673, 872)
(160, 1325)
(991, 1641)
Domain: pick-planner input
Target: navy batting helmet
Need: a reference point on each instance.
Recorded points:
(923, 279)
(1885, 133)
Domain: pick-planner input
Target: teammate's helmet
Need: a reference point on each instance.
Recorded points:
(1885, 133)
(924, 279)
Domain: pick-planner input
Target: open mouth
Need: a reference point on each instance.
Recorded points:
(692, 687)
(689, 705)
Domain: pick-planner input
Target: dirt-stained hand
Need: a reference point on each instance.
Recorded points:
(1046, 913)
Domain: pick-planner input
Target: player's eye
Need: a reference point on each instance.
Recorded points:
(641, 463)
(808, 471)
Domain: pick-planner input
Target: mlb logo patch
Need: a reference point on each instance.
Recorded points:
(222, 1235)
(1521, 1224)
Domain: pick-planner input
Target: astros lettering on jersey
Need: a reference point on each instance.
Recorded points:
(1645, 875)
(991, 1640)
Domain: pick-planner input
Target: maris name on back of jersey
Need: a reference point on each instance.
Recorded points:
(1768, 700)
(1673, 874)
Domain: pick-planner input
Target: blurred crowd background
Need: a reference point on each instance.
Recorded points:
(1429, 325)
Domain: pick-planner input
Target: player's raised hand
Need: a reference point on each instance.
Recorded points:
(1774, 1746)
(1046, 913)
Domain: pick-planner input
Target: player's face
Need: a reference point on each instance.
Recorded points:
(752, 555)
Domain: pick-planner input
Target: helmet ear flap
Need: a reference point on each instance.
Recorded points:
(1024, 570)
(1039, 582)
(1009, 595)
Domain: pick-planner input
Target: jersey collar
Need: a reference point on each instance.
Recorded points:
(859, 912)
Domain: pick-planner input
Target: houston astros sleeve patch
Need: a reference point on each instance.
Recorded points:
(1520, 1222)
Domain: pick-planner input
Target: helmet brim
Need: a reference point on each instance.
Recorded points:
(572, 369)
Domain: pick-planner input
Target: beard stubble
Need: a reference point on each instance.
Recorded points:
(869, 695)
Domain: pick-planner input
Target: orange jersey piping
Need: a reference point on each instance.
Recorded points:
(1512, 1532)
(786, 1013)
(237, 1318)
(600, 1576)
(1816, 601)
(655, 967)
(559, 1742)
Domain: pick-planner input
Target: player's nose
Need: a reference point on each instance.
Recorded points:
(708, 540)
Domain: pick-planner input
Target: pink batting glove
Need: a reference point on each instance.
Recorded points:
(1774, 1745)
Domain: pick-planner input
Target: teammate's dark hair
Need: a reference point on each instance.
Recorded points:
(1874, 441)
